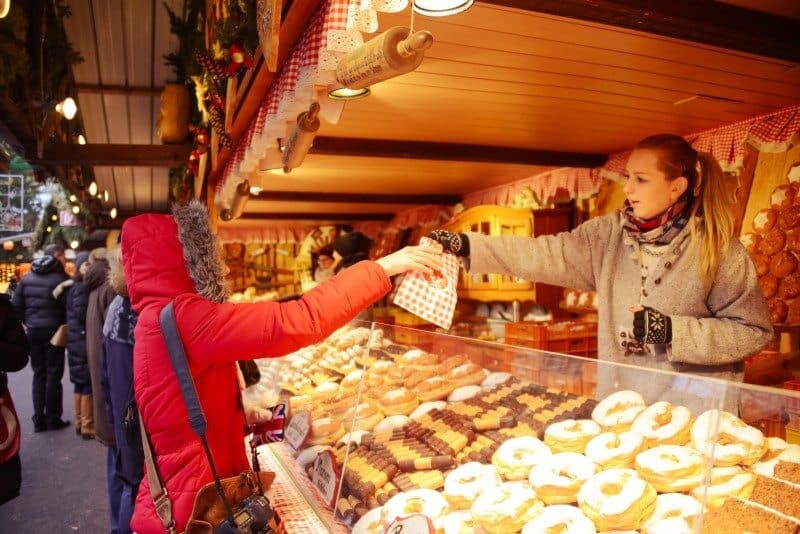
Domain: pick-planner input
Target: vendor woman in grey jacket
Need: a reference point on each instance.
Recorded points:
(676, 290)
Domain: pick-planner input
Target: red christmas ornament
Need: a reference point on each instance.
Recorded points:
(194, 162)
(239, 58)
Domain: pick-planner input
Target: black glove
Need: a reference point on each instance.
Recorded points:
(652, 327)
(458, 244)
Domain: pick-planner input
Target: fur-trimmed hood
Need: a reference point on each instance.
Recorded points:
(165, 256)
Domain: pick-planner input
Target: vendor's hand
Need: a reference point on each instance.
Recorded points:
(651, 326)
(458, 244)
(415, 258)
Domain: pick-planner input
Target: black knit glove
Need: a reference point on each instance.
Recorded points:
(652, 327)
(458, 244)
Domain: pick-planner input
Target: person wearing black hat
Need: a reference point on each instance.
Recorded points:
(349, 249)
(42, 314)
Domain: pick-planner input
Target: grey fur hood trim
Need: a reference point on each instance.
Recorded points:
(202, 251)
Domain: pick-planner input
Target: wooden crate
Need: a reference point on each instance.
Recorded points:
(764, 368)
(567, 337)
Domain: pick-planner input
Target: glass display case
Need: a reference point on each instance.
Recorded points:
(389, 422)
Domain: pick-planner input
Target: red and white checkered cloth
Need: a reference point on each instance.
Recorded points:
(431, 297)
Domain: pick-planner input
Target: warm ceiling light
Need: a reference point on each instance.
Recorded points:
(105, 195)
(49, 229)
(68, 108)
(73, 244)
(76, 209)
(255, 190)
(113, 213)
(93, 188)
(344, 93)
(441, 8)
(73, 198)
(81, 139)
(54, 217)
(8, 245)
(5, 5)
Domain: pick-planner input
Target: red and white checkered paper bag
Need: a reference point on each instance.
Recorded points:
(431, 297)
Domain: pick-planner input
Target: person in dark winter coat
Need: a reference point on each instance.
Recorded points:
(349, 249)
(42, 315)
(116, 362)
(76, 301)
(14, 350)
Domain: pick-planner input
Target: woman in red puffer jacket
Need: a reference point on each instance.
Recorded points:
(177, 259)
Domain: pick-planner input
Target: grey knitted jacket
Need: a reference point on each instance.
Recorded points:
(713, 328)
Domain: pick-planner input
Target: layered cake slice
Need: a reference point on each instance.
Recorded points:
(743, 517)
(789, 471)
(777, 494)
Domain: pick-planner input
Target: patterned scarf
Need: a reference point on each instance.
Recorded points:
(659, 230)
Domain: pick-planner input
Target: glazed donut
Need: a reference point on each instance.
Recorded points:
(764, 220)
(778, 310)
(788, 218)
(671, 468)
(789, 287)
(467, 374)
(570, 435)
(505, 508)
(390, 423)
(768, 284)
(558, 480)
(618, 411)
(789, 453)
(783, 264)
(495, 379)
(782, 196)
(725, 482)
(352, 380)
(370, 523)
(672, 513)
(325, 391)
(663, 423)
(366, 416)
(426, 407)
(617, 499)
(325, 431)
(772, 242)
(560, 518)
(609, 449)
(761, 263)
(463, 393)
(418, 359)
(434, 388)
(398, 401)
(463, 484)
(735, 443)
(751, 241)
(459, 522)
(427, 502)
(516, 456)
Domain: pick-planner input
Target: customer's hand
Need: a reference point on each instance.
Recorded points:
(458, 244)
(651, 326)
(415, 258)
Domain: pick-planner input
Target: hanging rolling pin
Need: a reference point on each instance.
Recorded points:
(390, 54)
(299, 141)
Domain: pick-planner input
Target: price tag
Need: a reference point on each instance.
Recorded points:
(299, 428)
(325, 476)
(413, 524)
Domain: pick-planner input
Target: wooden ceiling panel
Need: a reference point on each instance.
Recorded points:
(160, 184)
(141, 124)
(262, 206)
(93, 115)
(126, 190)
(117, 118)
(105, 180)
(138, 45)
(80, 31)
(165, 42)
(142, 178)
(782, 8)
(110, 36)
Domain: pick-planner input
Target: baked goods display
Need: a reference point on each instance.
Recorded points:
(775, 248)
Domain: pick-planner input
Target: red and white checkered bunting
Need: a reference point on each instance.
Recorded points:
(432, 298)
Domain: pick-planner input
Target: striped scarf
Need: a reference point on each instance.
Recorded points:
(659, 230)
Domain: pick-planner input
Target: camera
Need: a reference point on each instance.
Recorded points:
(252, 517)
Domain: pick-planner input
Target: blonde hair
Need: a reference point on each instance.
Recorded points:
(116, 272)
(710, 193)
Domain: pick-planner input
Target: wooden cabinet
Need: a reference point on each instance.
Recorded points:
(497, 220)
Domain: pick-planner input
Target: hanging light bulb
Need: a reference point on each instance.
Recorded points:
(54, 217)
(49, 229)
(68, 108)
(73, 244)
(76, 209)
(105, 195)
(5, 5)
(73, 198)
(93, 188)
(81, 139)
(441, 8)
(113, 213)
(345, 93)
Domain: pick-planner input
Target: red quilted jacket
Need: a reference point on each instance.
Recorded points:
(215, 336)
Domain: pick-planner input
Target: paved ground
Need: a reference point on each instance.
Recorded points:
(63, 477)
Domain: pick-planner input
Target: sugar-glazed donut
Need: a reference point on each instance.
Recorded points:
(735, 442)
(370, 523)
(459, 522)
(617, 499)
(671, 468)
(664, 423)
(777, 451)
(560, 518)
(724, 482)
(609, 449)
(463, 484)
(570, 435)
(506, 508)
(558, 480)
(427, 502)
(399, 401)
(467, 374)
(672, 513)
(516, 456)
(618, 411)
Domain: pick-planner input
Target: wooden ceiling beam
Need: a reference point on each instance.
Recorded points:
(712, 23)
(380, 148)
(118, 89)
(361, 198)
(298, 216)
(111, 155)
